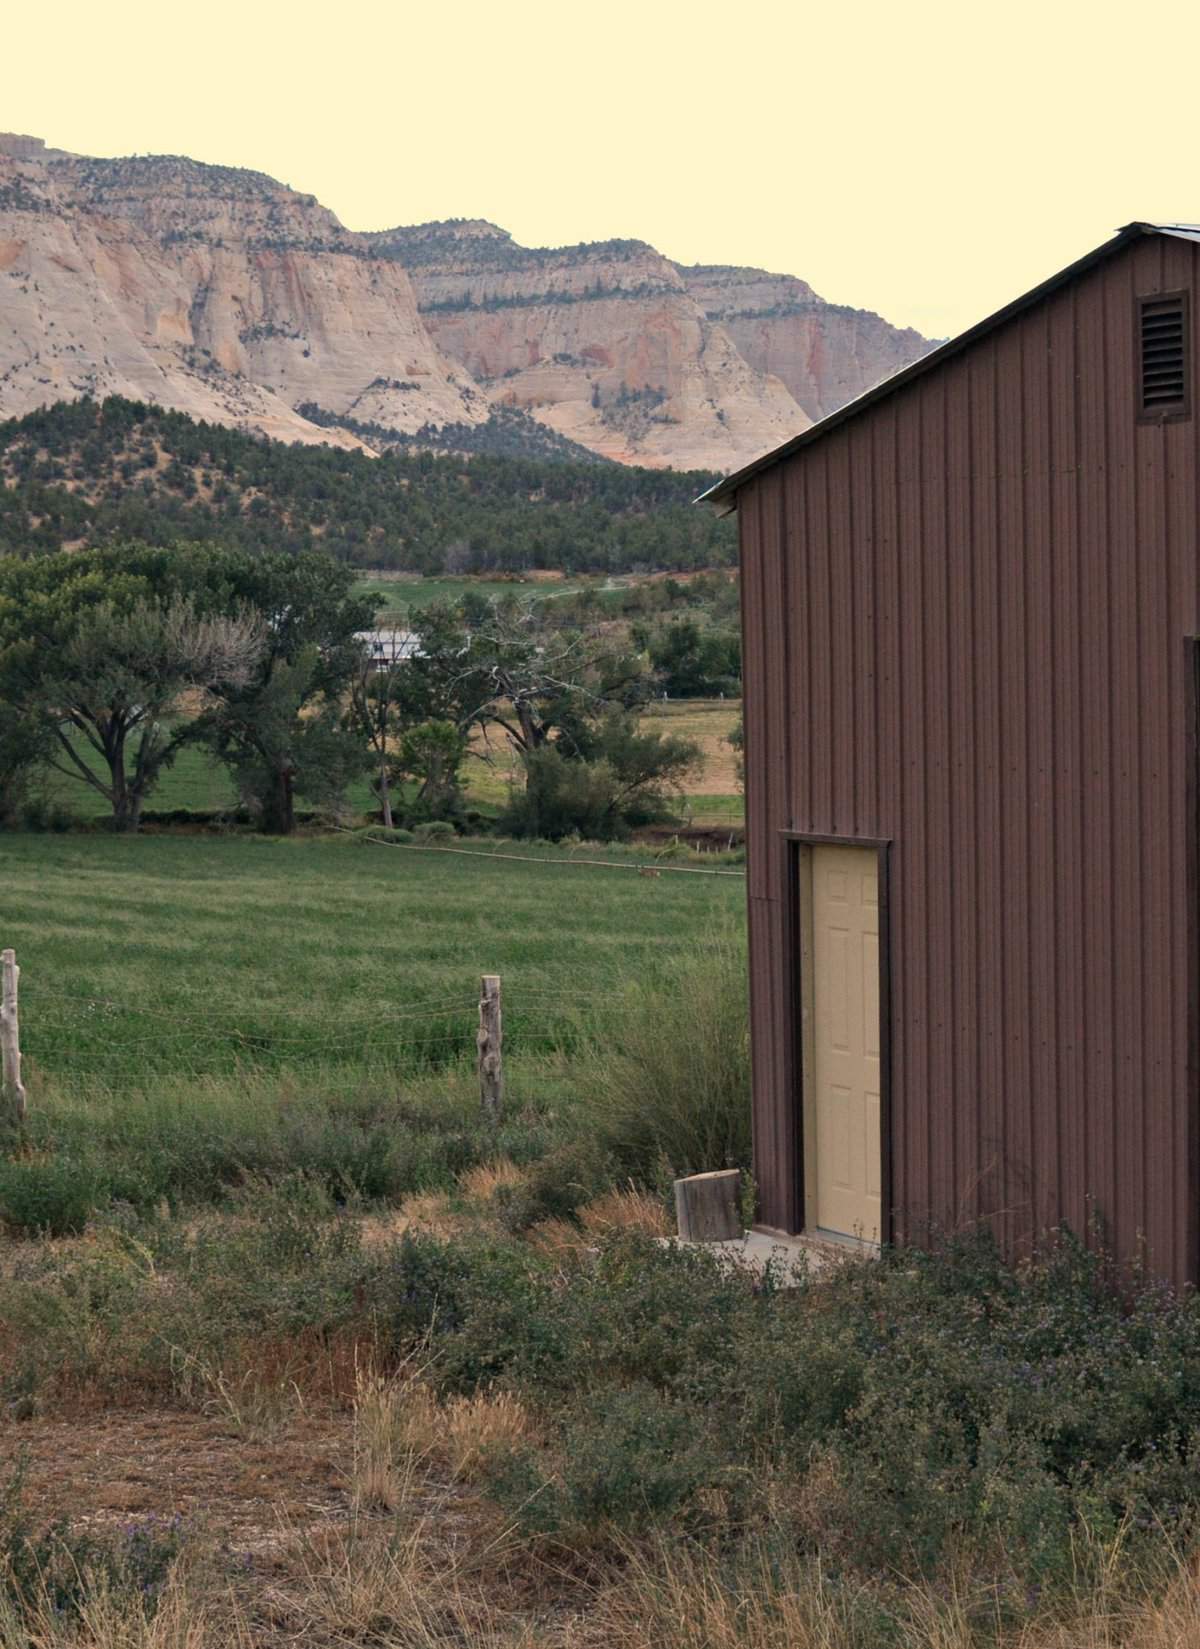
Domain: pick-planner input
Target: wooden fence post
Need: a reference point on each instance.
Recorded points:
(490, 1043)
(10, 1035)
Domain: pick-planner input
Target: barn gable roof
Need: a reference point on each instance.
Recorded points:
(723, 495)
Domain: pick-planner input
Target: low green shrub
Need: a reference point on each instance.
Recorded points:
(657, 1316)
(366, 834)
(433, 831)
(919, 1411)
(41, 814)
(59, 1569)
(915, 1415)
(98, 1315)
(51, 1194)
(557, 1185)
(630, 1460)
(949, 1399)
(484, 1312)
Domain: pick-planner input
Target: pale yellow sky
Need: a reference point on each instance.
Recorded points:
(928, 160)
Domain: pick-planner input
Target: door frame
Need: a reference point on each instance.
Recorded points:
(798, 845)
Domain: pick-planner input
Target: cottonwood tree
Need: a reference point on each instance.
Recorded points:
(431, 754)
(565, 700)
(23, 744)
(693, 660)
(615, 776)
(284, 731)
(287, 738)
(515, 671)
(99, 649)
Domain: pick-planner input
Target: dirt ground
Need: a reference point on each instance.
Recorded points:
(101, 1471)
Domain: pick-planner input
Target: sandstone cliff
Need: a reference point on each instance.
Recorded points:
(825, 353)
(212, 291)
(226, 295)
(602, 342)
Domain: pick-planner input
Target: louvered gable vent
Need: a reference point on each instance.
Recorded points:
(1164, 358)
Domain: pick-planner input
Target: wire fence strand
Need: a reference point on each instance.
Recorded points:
(69, 1034)
(649, 867)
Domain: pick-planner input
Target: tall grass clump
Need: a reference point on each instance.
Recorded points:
(670, 1089)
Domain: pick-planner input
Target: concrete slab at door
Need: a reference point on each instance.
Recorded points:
(846, 1041)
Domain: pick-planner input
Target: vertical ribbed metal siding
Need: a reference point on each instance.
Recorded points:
(965, 615)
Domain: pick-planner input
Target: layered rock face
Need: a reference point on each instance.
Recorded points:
(640, 358)
(602, 342)
(225, 295)
(825, 353)
(212, 291)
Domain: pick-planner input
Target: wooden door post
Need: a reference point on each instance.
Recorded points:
(10, 1035)
(490, 1043)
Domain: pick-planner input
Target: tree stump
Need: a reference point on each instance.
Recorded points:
(706, 1206)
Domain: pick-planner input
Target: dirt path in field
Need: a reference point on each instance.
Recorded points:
(100, 1472)
(274, 1549)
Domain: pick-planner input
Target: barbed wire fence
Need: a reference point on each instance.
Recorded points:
(74, 1034)
(70, 1035)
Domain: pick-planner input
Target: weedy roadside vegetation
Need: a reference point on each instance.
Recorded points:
(553, 1429)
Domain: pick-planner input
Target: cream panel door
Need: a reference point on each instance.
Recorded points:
(846, 1040)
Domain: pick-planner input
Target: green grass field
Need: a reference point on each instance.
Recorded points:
(174, 955)
(195, 781)
(403, 594)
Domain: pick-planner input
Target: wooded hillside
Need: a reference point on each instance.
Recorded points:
(92, 473)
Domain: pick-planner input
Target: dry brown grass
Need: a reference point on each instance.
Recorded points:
(673, 1598)
(411, 1583)
(401, 1428)
(679, 1601)
(384, 1460)
(430, 1214)
(558, 1238)
(481, 1183)
(436, 1570)
(434, 1576)
(630, 1210)
(181, 1621)
(709, 723)
(411, 1555)
(475, 1426)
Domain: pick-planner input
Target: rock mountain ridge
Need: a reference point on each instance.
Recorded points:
(226, 295)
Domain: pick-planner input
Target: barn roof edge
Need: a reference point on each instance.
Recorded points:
(722, 496)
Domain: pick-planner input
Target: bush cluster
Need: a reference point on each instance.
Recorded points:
(904, 1416)
(932, 1413)
(913, 1412)
(364, 1144)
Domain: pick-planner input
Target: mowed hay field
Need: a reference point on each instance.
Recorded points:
(194, 955)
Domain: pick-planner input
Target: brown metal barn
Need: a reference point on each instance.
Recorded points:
(970, 612)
